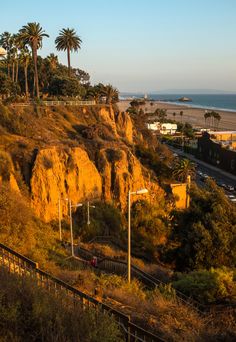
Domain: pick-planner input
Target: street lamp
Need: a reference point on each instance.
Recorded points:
(71, 225)
(60, 215)
(88, 213)
(138, 192)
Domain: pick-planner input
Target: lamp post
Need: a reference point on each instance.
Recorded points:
(88, 212)
(71, 225)
(138, 192)
(60, 215)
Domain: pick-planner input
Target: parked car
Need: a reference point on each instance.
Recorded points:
(229, 187)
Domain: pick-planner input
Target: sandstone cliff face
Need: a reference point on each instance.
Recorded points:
(98, 167)
(107, 116)
(65, 173)
(121, 173)
(124, 126)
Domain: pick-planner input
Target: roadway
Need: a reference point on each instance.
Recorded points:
(222, 178)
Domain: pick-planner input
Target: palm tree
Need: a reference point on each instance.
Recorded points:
(6, 43)
(207, 116)
(53, 61)
(174, 114)
(183, 169)
(24, 59)
(32, 34)
(110, 93)
(181, 113)
(68, 41)
(217, 119)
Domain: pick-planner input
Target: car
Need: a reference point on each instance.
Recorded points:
(231, 196)
(229, 187)
(199, 173)
(222, 185)
(233, 200)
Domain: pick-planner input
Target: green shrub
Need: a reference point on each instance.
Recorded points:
(208, 286)
(28, 313)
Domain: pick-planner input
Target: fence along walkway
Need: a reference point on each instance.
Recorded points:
(54, 103)
(22, 266)
(120, 267)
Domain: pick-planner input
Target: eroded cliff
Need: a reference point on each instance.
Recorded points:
(78, 154)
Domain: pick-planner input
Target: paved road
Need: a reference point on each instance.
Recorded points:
(211, 170)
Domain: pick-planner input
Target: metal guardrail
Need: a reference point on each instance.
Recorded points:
(54, 103)
(120, 267)
(22, 266)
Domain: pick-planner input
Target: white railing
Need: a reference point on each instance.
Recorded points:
(55, 103)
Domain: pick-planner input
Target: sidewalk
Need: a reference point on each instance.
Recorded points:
(200, 162)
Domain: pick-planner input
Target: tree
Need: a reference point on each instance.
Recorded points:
(68, 41)
(32, 34)
(24, 59)
(181, 113)
(53, 61)
(65, 86)
(183, 169)
(205, 233)
(207, 116)
(150, 226)
(6, 43)
(174, 114)
(110, 93)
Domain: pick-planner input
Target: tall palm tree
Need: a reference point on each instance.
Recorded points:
(68, 41)
(217, 119)
(174, 114)
(32, 34)
(6, 43)
(181, 113)
(183, 169)
(24, 59)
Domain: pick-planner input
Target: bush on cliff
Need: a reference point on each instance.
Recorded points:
(205, 233)
(215, 285)
(28, 313)
(21, 230)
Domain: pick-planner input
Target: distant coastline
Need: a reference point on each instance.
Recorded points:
(193, 115)
(218, 102)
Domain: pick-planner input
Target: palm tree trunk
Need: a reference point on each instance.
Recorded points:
(13, 71)
(68, 58)
(34, 52)
(26, 81)
(17, 70)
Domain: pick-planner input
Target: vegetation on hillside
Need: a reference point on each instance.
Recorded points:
(30, 313)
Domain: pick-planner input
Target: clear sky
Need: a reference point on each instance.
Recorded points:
(140, 45)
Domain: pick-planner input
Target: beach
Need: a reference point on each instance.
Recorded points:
(195, 116)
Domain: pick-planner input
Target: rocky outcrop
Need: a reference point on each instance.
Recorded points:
(65, 173)
(121, 171)
(124, 126)
(107, 116)
(71, 174)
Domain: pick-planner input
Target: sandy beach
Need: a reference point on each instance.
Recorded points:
(195, 116)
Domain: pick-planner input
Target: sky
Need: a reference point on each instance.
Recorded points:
(140, 45)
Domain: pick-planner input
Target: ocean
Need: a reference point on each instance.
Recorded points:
(214, 102)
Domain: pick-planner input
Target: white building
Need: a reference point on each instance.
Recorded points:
(163, 128)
